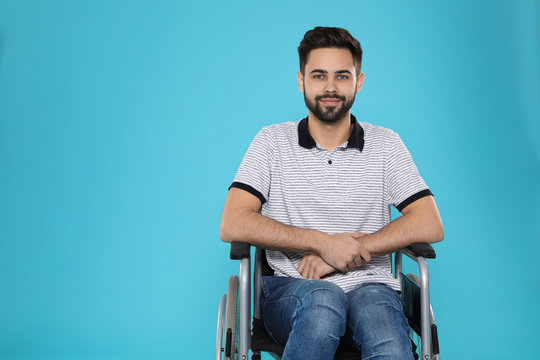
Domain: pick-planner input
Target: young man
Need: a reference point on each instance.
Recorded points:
(316, 193)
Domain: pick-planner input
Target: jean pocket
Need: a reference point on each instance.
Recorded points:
(273, 287)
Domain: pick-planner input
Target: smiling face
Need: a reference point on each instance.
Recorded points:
(330, 83)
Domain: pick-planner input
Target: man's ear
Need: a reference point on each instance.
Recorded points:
(300, 78)
(360, 82)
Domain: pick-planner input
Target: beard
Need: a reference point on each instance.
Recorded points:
(329, 114)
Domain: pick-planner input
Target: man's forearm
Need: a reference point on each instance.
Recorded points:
(421, 223)
(259, 230)
(241, 221)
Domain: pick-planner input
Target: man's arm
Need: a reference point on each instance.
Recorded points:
(420, 222)
(241, 221)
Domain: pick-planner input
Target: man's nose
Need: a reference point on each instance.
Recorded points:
(330, 87)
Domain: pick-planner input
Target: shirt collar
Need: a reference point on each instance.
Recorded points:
(356, 139)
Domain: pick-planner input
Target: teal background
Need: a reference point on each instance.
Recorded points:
(122, 123)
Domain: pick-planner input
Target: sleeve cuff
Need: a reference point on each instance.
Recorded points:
(413, 198)
(249, 189)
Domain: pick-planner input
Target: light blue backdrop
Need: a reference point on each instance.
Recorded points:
(122, 124)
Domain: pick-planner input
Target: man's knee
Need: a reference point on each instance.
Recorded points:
(377, 322)
(313, 309)
(375, 300)
(322, 309)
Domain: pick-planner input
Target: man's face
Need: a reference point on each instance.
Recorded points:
(330, 83)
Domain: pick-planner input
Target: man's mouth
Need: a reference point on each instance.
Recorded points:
(330, 101)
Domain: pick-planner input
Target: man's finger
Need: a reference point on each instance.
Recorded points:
(310, 273)
(366, 256)
(301, 267)
(358, 261)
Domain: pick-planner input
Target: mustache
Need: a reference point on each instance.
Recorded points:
(320, 97)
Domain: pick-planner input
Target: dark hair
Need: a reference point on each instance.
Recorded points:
(329, 37)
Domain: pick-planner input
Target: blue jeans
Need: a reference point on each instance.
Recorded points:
(310, 317)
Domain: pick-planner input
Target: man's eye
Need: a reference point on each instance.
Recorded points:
(343, 77)
(318, 76)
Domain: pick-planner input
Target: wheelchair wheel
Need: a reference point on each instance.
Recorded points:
(231, 311)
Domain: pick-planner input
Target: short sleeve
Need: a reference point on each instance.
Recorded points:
(403, 183)
(254, 173)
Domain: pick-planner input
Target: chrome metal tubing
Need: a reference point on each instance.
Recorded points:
(245, 309)
(257, 283)
(431, 316)
(219, 335)
(432, 319)
(409, 253)
(398, 266)
(426, 315)
(424, 308)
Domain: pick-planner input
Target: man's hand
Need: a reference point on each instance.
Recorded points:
(344, 251)
(313, 266)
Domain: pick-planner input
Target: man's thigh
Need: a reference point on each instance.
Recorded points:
(308, 304)
(376, 322)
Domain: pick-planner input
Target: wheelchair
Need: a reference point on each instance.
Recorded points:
(235, 338)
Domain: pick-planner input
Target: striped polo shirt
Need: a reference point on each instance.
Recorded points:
(348, 189)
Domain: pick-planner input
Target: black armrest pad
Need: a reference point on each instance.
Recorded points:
(240, 250)
(422, 249)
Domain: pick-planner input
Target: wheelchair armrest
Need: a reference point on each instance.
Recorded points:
(422, 249)
(240, 250)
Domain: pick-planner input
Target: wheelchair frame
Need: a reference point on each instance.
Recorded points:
(418, 252)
